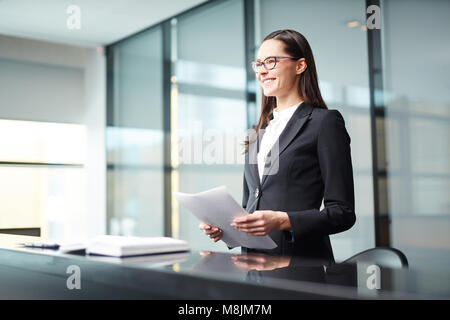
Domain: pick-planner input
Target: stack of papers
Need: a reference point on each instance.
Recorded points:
(121, 246)
(217, 207)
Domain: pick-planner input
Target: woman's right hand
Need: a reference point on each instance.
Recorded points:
(213, 232)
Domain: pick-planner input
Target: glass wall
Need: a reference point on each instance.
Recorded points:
(211, 117)
(335, 31)
(416, 47)
(135, 136)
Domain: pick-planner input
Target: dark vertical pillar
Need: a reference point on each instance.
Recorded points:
(249, 24)
(110, 185)
(377, 115)
(167, 73)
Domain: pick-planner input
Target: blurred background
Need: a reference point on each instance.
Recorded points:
(109, 106)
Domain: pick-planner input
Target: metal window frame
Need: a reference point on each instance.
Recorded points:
(377, 114)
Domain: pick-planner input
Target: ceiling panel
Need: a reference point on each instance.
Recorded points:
(101, 21)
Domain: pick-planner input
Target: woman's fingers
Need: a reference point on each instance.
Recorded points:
(258, 228)
(208, 228)
(260, 223)
(255, 228)
(252, 229)
(212, 230)
(250, 223)
(204, 226)
(217, 238)
(247, 218)
(215, 234)
(253, 224)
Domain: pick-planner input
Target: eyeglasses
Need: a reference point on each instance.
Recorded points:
(269, 63)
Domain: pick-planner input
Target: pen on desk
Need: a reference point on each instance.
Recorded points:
(52, 246)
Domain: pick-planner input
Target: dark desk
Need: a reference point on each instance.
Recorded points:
(42, 274)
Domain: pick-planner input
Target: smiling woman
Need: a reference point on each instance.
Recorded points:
(292, 68)
(299, 156)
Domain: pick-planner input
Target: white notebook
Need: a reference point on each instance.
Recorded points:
(115, 246)
(123, 246)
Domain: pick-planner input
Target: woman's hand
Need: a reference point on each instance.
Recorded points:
(262, 222)
(213, 232)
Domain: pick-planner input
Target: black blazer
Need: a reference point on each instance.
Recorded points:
(314, 162)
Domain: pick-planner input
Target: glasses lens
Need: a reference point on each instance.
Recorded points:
(270, 63)
(255, 66)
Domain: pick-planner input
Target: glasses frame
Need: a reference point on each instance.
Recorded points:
(256, 64)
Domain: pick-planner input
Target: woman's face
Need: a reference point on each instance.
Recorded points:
(281, 80)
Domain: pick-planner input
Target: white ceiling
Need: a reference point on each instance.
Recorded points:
(102, 21)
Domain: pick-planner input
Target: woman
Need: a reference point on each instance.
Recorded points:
(301, 155)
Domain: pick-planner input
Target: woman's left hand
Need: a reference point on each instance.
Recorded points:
(261, 222)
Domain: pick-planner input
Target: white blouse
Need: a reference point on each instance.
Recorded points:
(272, 133)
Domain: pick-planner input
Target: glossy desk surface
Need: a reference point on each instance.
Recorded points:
(43, 274)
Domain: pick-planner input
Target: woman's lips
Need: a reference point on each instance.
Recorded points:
(268, 81)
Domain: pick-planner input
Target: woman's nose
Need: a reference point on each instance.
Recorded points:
(262, 72)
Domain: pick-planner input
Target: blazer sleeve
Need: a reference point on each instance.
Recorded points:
(333, 149)
(245, 193)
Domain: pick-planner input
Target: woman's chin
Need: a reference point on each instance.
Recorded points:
(268, 92)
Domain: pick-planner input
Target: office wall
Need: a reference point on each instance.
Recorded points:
(58, 89)
(41, 81)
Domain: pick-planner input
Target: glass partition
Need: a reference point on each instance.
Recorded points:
(134, 139)
(417, 129)
(211, 112)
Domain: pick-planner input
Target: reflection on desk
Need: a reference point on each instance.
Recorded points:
(261, 267)
(207, 275)
(146, 261)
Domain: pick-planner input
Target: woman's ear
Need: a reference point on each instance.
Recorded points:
(301, 66)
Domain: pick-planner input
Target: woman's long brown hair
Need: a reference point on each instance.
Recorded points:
(296, 45)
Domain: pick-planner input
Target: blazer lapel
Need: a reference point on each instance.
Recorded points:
(293, 127)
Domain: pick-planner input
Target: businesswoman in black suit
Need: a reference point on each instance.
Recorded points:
(299, 155)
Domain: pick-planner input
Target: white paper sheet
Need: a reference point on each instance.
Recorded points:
(218, 208)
